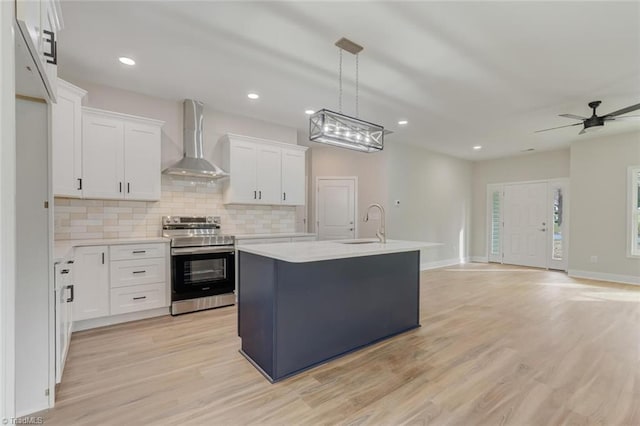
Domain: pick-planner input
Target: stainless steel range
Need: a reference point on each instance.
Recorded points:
(202, 263)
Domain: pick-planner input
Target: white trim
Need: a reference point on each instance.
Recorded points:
(355, 201)
(119, 319)
(479, 259)
(121, 116)
(7, 210)
(425, 266)
(230, 137)
(81, 93)
(632, 202)
(600, 276)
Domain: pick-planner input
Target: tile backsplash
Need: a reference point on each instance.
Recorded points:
(96, 219)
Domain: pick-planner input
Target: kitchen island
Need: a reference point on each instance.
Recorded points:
(301, 304)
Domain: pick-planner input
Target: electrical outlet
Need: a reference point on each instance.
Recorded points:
(594, 259)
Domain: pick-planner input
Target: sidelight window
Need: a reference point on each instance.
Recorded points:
(634, 210)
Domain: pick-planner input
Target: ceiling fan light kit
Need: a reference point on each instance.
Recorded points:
(341, 130)
(595, 122)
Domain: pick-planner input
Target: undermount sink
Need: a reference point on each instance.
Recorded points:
(359, 242)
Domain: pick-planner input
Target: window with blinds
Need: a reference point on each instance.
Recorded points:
(494, 222)
(634, 210)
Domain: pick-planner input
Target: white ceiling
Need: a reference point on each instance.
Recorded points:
(463, 74)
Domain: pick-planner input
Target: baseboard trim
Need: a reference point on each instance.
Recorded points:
(424, 266)
(480, 259)
(119, 319)
(600, 276)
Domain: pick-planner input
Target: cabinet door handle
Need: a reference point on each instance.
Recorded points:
(139, 251)
(120, 183)
(103, 258)
(69, 262)
(64, 272)
(255, 195)
(284, 196)
(79, 184)
(140, 298)
(53, 54)
(139, 272)
(128, 187)
(72, 296)
(259, 195)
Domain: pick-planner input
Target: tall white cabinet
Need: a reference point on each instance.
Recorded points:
(120, 156)
(263, 171)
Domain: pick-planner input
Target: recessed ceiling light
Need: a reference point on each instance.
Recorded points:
(477, 147)
(403, 122)
(253, 96)
(309, 111)
(126, 61)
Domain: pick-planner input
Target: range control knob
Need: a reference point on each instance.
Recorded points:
(176, 220)
(209, 219)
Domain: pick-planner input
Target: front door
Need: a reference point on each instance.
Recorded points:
(335, 210)
(525, 224)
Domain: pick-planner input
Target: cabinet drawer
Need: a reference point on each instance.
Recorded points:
(140, 271)
(137, 298)
(137, 251)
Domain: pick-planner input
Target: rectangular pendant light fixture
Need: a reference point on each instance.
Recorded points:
(337, 129)
(341, 130)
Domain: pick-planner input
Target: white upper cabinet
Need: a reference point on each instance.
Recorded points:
(142, 161)
(269, 173)
(293, 177)
(120, 156)
(263, 171)
(102, 156)
(66, 140)
(39, 22)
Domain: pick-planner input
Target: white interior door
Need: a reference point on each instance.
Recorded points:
(525, 224)
(336, 208)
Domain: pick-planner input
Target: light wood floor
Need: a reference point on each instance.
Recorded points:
(498, 345)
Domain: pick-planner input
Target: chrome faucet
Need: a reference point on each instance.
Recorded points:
(380, 233)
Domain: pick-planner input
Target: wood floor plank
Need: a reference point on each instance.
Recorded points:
(498, 345)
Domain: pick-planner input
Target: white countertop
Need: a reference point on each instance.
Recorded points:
(62, 248)
(312, 251)
(277, 235)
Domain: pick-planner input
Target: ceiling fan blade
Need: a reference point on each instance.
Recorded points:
(559, 127)
(623, 110)
(576, 117)
(582, 132)
(626, 117)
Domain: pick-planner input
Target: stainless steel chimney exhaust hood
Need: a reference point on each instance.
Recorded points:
(193, 163)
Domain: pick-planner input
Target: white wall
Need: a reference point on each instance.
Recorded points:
(433, 189)
(599, 207)
(526, 167)
(7, 211)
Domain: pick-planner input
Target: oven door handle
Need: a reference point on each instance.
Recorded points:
(201, 250)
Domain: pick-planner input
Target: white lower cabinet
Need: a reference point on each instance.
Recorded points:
(91, 276)
(64, 293)
(119, 279)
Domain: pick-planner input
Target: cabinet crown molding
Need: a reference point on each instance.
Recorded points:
(122, 116)
(230, 137)
(72, 88)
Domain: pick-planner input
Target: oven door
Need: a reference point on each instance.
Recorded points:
(202, 271)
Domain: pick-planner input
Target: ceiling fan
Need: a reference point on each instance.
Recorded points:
(596, 122)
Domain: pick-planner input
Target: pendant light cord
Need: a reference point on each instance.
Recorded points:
(357, 87)
(340, 82)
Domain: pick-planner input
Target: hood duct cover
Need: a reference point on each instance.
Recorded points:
(193, 163)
